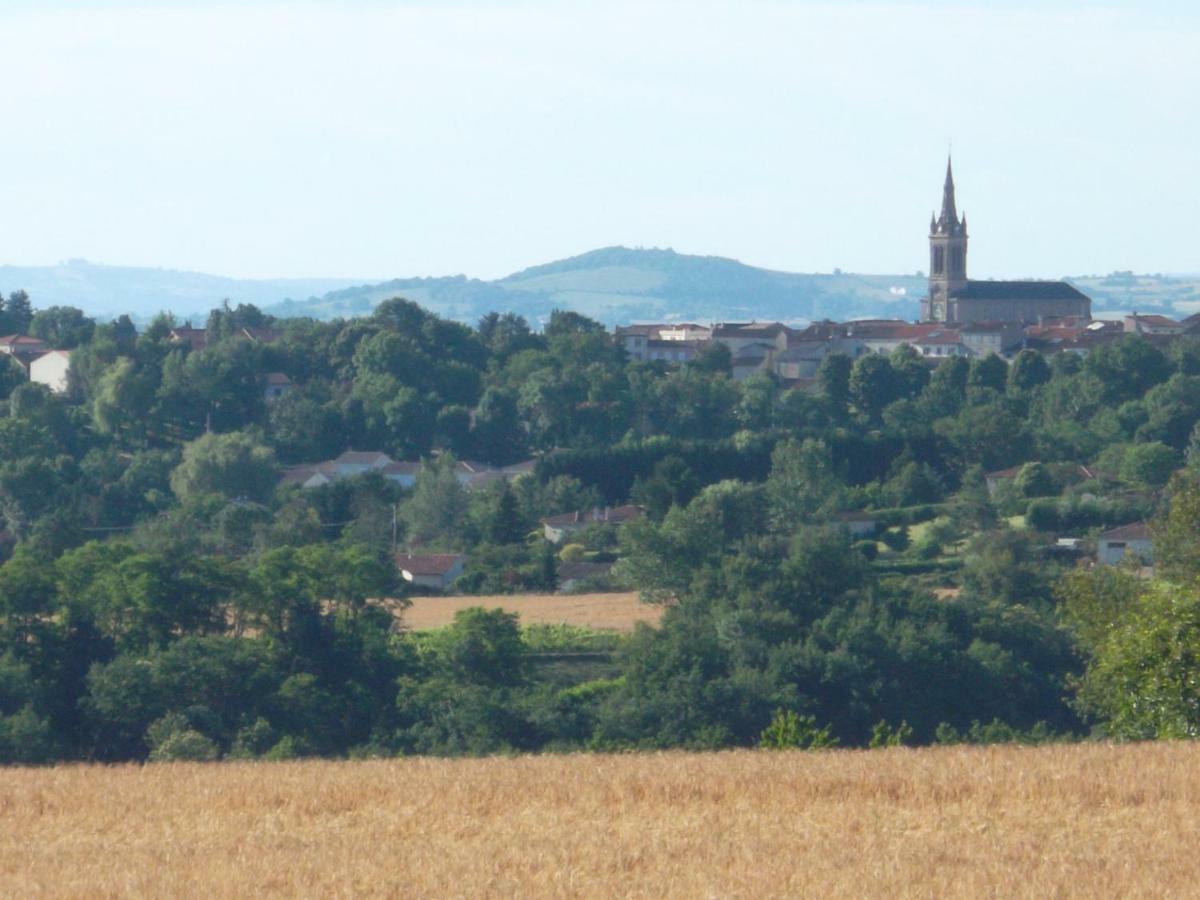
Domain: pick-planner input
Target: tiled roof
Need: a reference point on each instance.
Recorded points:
(363, 458)
(1018, 290)
(1155, 320)
(428, 564)
(612, 515)
(1137, 531)
(21, 340)
(941, 337)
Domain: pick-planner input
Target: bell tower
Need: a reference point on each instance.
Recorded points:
(947, 256)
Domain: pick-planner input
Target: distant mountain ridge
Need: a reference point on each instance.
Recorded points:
(109, 291)
(622, 284)
(614, 285)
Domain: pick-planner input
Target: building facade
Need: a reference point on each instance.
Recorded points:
(956, 299)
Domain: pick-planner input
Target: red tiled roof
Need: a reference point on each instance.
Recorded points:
(21, 340)
(428, 564)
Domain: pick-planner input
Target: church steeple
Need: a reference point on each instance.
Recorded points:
(948, 222)
(947, 255)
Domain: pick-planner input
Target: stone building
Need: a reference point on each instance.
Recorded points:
(954, 298)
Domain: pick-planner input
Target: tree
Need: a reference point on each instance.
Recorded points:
(438, 505)
(833, 376)
(498, 435)
(873, 385)
(234, 465)
(1176, 547)
(1141, 679)
(910, 369)
(1029, 370)
(19, 311)
(482, 646)
(989, 373)
(505, 525)
(62, 327)
(564, 322)
(803, 483)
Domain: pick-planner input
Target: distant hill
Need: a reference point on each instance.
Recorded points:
(614, 285)
(108, 291)
(619, 284)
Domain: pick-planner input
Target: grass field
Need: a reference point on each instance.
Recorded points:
(1065, 821)
(616, 612)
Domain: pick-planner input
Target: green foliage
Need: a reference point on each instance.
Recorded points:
(791, 731)
(233, 465)
(883, 735)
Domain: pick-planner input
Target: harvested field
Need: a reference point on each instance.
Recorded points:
(1065, 821)
(616, 612)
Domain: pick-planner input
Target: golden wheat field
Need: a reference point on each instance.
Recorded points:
(1067, 821)
(614, 612)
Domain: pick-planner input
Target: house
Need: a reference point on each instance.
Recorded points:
(885, 335)
(1128, 540)
(738, 335)
(278, 385)
(802, 359)
(982, 338)
(307, 477)
(196, 338)
(996, 479)
(1152, 324)
(403, 473)
(434, 570)
(658, 349)
(356, 462)
(941, 343)
(574, 575)
(858, 523)
(474, 475)
(751, 358)
(23, 347)
(684, 331)
(556, 528)
(51, 370)
(634, 338)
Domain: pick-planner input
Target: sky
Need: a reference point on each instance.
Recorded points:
(378, 139)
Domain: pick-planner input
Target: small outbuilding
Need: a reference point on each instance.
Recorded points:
(1128, 540)
(432, 570)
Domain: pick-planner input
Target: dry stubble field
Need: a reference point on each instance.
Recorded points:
(615, 612)
(1086, 821)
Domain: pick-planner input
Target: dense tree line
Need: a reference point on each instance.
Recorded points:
(163, 595)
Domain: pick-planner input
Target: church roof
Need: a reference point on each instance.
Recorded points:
(1018, 290)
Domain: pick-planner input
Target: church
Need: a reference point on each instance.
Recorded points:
(954, 298)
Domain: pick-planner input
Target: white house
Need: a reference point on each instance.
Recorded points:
(1113, 546)
(556, 528)
(859, 524)
(355, 462)
(433, 570)
(50, 369)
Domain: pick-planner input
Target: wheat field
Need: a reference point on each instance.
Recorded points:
(1066, 821)
(612, 612)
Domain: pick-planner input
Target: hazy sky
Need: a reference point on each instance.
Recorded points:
(376, 139)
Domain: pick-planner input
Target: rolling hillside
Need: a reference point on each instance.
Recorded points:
(615, 285)
(109, 291)
(619, 284)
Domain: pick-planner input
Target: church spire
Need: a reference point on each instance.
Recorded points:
(949, 212)
(948, 222)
